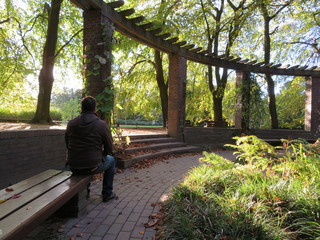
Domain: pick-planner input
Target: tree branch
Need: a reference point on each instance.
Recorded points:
(313, 45)
(4, 21)
(280, 9)
(67, 43)
(24, 45)
(205, 19)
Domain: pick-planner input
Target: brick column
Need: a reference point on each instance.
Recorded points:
(177, 95)
(242, 115)
(312, 110)
(97, 40)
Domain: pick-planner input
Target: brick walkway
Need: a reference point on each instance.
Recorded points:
(139, 191)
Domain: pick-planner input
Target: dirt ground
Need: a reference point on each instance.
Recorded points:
(6, 126)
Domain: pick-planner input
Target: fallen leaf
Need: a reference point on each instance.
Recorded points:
(1, 201)
(155, 204)
(76, 225)
(277, 199)
(141, 232)
(16, 196)
(151, 223)
(119, 170)
(8, 189)
(79, 234)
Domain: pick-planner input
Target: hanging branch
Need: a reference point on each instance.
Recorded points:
(314, 45)
(4, 21)
(67, 43)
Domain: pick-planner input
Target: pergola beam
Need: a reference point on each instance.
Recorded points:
(139, 33)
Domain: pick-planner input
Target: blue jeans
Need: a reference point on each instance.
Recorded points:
(107, 166)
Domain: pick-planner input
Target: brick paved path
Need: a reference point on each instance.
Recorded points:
(124, 218)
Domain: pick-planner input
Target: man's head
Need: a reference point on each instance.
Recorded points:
(88, 104)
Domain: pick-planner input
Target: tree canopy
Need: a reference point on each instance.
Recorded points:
(225, 26)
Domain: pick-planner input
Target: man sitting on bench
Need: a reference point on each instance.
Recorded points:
(89, 143)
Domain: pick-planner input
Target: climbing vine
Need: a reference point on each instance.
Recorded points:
(105, 99)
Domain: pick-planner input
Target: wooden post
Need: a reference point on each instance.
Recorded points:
(312, 107)
(177, 95)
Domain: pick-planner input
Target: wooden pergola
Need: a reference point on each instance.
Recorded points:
(102, 19)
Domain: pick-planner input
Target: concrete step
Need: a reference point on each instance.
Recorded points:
(155, 146)
(152, 140)
(144, 136)
(125, 163)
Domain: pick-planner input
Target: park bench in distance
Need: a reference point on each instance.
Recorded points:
(27, 204)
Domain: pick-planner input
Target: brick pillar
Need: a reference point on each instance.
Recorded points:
(97, 40)
(312, 110)
(242, 115)
(177, 95)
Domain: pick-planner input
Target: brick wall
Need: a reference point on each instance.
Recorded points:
(209, 137)
(97, 41)
(218, 137)
(24, 153)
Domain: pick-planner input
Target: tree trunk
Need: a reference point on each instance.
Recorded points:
(217, 105)
(272, 102)
(46, 74)
(163, 87)
(270, 82)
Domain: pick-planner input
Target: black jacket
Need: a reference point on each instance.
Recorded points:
(88, 139)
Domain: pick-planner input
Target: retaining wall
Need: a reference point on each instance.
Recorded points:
(218, 137)
(24, 153)
(209, 137)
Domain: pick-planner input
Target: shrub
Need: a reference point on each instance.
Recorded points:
(268, 195)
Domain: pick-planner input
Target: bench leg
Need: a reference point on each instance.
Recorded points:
(75, 206)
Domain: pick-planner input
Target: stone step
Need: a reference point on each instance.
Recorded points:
(144, 136)
(125, 163)
(155, 146)
(152, 140)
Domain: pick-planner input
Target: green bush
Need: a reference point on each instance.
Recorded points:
(274, 197)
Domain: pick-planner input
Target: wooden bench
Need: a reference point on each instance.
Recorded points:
(27, 204)
(215, 124)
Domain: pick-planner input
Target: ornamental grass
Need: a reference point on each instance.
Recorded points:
(269, 193)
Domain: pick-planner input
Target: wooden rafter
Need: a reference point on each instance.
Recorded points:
(141, 33)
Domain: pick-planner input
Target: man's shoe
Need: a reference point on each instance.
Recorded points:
(108, 197)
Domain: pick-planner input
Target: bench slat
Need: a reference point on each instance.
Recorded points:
(27, 196)
(26, 184)
(20, 222)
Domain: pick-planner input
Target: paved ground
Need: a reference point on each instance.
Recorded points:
(11, 126)
(139, 193)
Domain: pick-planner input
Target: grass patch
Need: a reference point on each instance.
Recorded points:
(26, 114)
(269, 194)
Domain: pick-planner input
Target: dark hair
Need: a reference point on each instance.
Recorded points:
(88, 104)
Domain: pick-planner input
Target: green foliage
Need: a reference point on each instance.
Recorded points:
(135, 87)
(258, 105)
(253, 150)
(105, 99)
(225, 200)
(199, 99)
(291, 104)
(22, 36)
(68, 103)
